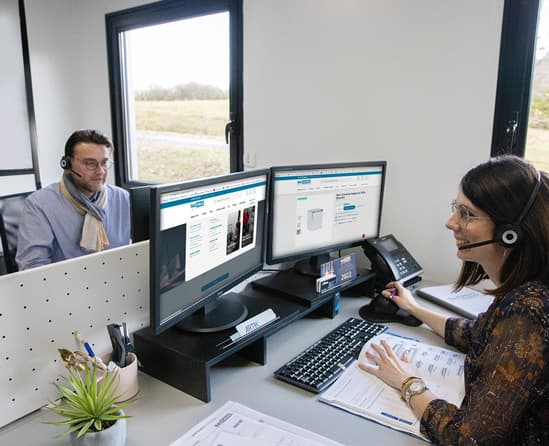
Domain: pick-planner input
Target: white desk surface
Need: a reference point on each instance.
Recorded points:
(162, 413)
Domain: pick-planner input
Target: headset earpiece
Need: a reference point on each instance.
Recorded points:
(508, 235)
(65, 162)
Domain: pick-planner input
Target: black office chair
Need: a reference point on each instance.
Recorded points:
(10, 213)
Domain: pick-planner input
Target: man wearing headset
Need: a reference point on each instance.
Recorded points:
(80, 214)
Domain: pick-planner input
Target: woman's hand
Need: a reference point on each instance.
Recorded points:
(390, 369)
(401, 296)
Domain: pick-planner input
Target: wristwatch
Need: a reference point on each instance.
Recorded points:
(412, 386)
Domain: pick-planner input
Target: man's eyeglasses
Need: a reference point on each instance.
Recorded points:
(92, 164)
(464, 214)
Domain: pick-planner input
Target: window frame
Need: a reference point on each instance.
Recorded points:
(515, 72)
(166, 11)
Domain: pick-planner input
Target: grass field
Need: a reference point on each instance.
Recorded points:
(186, 117)
(537, 148)
(166, 163)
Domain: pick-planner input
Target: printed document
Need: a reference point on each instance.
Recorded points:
(234, 424)
(364, 394)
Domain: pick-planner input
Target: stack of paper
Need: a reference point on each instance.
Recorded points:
(236, 425)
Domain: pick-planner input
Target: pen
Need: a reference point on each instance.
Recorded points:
(84, 343)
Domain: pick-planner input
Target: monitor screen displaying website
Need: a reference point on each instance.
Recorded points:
(318, 208)
(210, 237)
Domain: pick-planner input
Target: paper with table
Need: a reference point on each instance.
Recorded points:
(467, 302)
(234, 424)
(363, 394)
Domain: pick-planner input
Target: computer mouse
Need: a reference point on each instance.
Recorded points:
(382, 309)
(381, 304)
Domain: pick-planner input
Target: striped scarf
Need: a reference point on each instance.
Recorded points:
(94, 238)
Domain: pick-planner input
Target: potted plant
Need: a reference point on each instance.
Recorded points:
(91, 408)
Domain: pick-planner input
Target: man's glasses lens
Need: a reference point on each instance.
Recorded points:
(92, 164)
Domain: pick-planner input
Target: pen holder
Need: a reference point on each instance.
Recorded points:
(128, 385)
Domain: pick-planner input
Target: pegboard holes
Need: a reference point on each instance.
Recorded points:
(21, 285)
(10, 379)
(30, 349)
(36, 389)
(66, 273)
(106, 301)
(28, 328)
(47, 299)
(105, 282)
(24, 307)
(87, 287)
(89, 307)
(70, 314)
(102, 263)
(85, 268)
(44, 279)
(122, 277)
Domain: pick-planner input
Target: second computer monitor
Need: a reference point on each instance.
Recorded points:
(318, 209)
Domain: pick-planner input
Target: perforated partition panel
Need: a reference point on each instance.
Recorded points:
(41, 308)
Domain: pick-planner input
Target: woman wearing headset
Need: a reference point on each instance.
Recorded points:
(500, 221)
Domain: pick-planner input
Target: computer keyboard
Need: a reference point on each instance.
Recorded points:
(320, 365)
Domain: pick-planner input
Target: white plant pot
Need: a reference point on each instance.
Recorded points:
(115, 435)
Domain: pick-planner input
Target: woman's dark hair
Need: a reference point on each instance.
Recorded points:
(501, 187)
(91, 136)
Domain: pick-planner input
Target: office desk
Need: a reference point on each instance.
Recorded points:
(162, 413)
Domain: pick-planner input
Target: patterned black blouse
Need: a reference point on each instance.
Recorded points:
(506, 375)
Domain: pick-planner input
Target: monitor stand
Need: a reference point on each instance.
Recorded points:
(216, 316)
(311, 266)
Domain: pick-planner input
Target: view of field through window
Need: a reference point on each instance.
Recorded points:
(537, 139)
(177, 86)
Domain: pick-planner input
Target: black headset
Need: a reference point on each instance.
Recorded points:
(65, 162)
(510, 234)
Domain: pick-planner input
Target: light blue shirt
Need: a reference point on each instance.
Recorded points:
(50, 228)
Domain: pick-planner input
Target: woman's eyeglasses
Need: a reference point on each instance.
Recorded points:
(464, 214)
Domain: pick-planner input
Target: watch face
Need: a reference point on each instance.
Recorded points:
(416, 386)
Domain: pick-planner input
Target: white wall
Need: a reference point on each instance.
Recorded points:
(410, 82)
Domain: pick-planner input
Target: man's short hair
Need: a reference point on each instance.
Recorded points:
(89, 136)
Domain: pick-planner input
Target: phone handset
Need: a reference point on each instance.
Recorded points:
(392, 261)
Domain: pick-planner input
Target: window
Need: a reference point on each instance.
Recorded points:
(537, 139)
(175, 71)
(521, 120)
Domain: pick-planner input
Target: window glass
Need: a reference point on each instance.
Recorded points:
(176, 88)
(537, 139)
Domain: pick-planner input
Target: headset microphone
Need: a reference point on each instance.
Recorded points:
(66, 164)
(474, 245)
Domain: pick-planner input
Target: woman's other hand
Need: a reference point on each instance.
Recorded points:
(390, 369)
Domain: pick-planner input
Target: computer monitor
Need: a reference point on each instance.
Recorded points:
(206, 236)
(318, 209)
(140, 206)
